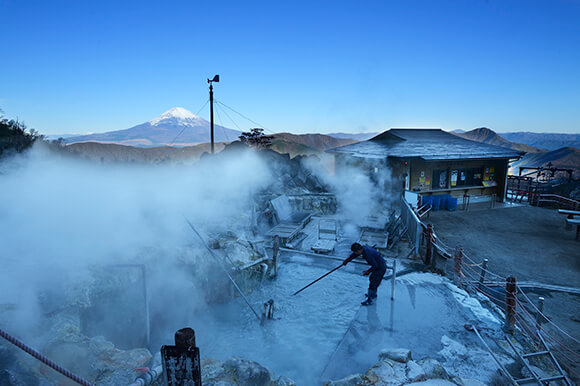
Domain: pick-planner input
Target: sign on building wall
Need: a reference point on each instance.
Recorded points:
(454, 178)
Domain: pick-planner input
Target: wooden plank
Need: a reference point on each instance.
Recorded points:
(572, 212)
(324, 246)
(285, 230)
(374, 238)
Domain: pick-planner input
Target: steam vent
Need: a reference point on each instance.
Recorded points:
(413, 257)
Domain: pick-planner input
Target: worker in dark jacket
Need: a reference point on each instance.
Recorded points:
(377, 269)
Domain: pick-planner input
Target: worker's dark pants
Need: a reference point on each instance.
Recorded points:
(375, 281)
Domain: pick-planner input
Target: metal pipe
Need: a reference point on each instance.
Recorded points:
(502, 368)
(211, 116)
(253, 263)
(149, 377)
(223, 268)
(554, 359)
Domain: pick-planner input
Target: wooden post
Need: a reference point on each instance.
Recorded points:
(181, 363)
(393, 279)
(185, 337)
(458, 258)
(539, 317)
(429, 253)
(264, 314)
(482, 274)
(510, 301)
(276, 251)
(569, 225)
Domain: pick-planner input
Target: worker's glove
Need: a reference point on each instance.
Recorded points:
(345, 262)
(367, 272)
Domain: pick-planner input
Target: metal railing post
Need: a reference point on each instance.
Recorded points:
(482, 274)
(418, 238)
(539, 318)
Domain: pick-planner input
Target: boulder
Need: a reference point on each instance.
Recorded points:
(211, 369)
(247, 372)
(433, 369)
(387, 372)
(239, 371)
(351, 380)
(284, 381)
(401, 355)
(415, 373)
(468, 382)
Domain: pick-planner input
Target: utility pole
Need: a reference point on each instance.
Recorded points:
(215, 79)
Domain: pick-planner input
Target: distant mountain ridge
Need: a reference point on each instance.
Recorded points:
(175, 127)
(485, 135)
(548, 141)
(354, 136)
(285, 143)
(565, 158)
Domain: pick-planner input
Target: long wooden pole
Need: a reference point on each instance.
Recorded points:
(320, 278)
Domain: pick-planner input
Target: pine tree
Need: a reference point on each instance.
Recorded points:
(256, 138)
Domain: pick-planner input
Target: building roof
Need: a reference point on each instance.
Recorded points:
(427, 144)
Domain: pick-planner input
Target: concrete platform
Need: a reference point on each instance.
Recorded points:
(428, 317)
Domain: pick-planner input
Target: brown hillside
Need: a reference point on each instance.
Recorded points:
(284, 143)
(319, 142)
(109, 152)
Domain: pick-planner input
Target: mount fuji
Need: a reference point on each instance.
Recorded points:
(175, 127)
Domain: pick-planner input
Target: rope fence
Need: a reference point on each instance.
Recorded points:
(476, 277)
(24, 347)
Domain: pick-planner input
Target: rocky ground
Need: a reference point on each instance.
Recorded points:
(531, 244)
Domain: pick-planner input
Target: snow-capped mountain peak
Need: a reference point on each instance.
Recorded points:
(178, 115)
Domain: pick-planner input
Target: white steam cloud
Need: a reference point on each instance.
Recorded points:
(60, 216)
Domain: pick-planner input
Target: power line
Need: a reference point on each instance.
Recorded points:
(243, 116)
(185, 127)
(222, 125)
(231, 119)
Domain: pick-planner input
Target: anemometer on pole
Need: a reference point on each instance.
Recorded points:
(216, 78)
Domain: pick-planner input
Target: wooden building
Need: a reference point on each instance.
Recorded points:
(431, 162)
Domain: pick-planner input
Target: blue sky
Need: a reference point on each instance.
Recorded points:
(326, 66)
